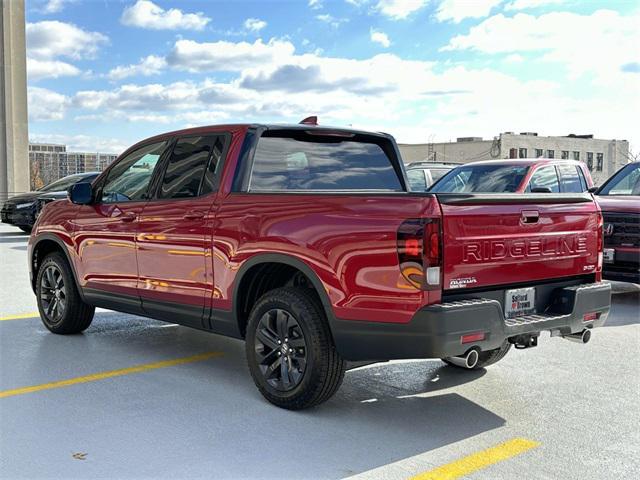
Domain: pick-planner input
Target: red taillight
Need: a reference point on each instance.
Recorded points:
(472, 337)
(589, 317)
(419, 252)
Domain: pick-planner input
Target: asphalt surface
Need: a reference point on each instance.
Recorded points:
(205, 419)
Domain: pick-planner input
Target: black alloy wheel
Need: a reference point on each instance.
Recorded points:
(281, 349)
(53, 294)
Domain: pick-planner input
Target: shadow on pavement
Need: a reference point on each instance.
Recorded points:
(14, 239)
(625, 309)
(191, 419)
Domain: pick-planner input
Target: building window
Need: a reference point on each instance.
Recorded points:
(513, 153)
(576, 155)
(551, 153)
(600, 161)
(539, 153)
(522, 153)
(590, 160)
(564, 155)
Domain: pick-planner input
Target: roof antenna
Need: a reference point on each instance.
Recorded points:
(313, 120)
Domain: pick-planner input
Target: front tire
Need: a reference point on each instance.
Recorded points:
(486, 358)
(61, 308)
(290, 352)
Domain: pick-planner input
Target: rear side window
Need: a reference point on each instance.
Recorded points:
(545, 177)
(481, 179)
(290, 161)
(417, 181)
(192, 160)
(571, 181)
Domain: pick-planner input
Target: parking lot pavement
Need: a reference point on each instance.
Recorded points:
(133, 397)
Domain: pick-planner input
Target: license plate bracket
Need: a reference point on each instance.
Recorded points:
(519, 302)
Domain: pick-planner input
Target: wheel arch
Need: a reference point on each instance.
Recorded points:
(245, 284)
(44, 245)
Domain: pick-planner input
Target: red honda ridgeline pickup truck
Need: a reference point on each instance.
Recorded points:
(306, 242)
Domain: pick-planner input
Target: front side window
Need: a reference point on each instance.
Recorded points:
(481, 179)
(570, 179)
(417, 181)
(292, 160)
(129, 179)
(190, 159)
(545, 177)
(625, 182)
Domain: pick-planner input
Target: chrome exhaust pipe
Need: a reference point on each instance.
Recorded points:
(468, 360)
(581, 337)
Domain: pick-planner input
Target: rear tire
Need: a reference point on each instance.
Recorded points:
(485, 358)
(290, 352)
(61, 308)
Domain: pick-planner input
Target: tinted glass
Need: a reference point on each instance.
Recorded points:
(186, 167)
(437, 174)
(128, 180)
(545, 177)
(63, 183)
(570, 179)
(625, 182)
(482, 179)
(215, 161)
(299, 161)
(417, 181)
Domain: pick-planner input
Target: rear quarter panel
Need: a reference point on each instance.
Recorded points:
(349, 241)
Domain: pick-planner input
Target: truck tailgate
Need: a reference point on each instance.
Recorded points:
(499, 239)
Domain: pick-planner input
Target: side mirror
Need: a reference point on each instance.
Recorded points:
(540, 190)
(593, 189)
(81, 193)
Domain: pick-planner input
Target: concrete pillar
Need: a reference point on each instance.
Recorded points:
(14, 136)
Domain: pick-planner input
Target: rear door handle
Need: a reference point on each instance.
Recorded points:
(194, 215)
(530, 216)
(128, 217)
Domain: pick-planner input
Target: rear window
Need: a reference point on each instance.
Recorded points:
(286, 160)
(571, 181)
(481, 179)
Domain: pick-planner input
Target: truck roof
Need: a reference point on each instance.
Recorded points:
(524, 161)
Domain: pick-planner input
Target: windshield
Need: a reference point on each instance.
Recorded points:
(625, 182)
(481, 179)
(61, 184)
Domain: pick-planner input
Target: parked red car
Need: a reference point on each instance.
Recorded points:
(619, 199)
(305, 241)
(539, 175)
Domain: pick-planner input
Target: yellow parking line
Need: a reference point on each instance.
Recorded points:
(109, 374)
(479, 460)
(21, 316)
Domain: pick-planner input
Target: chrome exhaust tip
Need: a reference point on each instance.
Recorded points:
(581, 337)
(469, 360)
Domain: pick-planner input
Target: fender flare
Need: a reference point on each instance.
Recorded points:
(291, 261)
(65, 249)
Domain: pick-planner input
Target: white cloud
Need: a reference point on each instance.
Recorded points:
(39, 69)
(399, 9)
(379, 37)
(81, 143)
(599, 43)
(227, 56)
(45, 104)
(146, 14)
(51, 38)
(331, 20)
(254, 24)
(458, 10)
(151, 65)
(55, 6)
(315, 4)
(526, 4)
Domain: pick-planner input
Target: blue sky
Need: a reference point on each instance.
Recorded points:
(104, 74)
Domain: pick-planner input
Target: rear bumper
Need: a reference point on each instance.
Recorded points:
(435, 331)
(24, 217)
